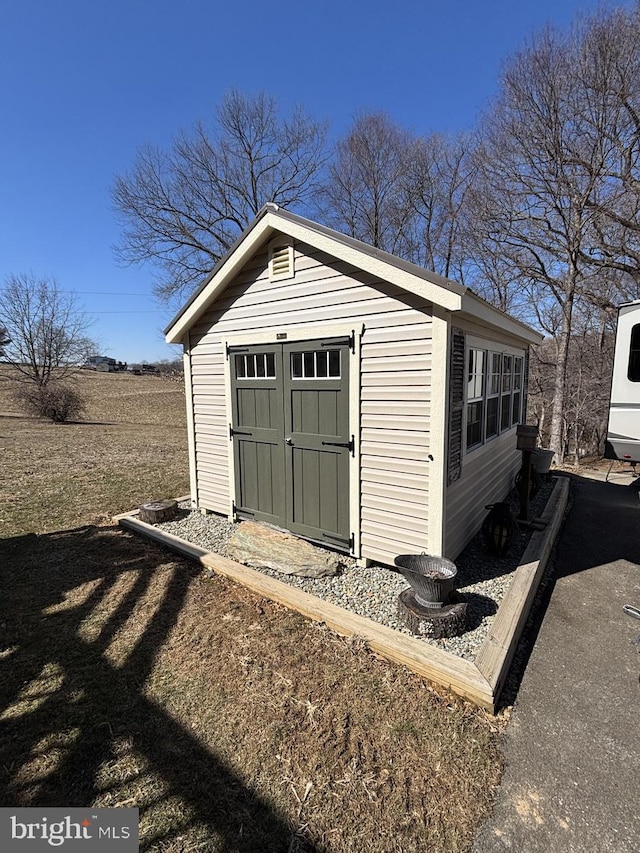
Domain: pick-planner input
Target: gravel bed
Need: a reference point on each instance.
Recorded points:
(482, 578)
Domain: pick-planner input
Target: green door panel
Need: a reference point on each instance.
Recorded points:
(316, 417)
(290, 430)
(256, 391)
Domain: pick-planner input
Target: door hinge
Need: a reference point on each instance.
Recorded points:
(340, 541)
(229, 350)
(350, 445)
(350, 341)
(239, 513)
(233, 432)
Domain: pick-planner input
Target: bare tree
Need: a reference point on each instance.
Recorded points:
(184, 207)
(590, 365)
(533, 203)
(367, 193)
(4, 340)
(439, 177)
(47, 330)
(607, 65)
(399, 192)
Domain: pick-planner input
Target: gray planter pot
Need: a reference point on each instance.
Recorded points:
(432, 578)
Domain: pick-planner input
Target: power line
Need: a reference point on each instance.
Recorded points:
(105, 293)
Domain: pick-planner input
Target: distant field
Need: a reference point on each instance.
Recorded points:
(131, 446)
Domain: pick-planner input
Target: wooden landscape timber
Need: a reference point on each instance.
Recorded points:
(496, 653)
(479, 682)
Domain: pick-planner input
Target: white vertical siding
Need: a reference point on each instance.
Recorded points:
(395, 385)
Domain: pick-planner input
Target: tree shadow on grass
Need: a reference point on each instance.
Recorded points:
(76, 726)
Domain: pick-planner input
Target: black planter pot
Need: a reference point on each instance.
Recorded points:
(499, 528)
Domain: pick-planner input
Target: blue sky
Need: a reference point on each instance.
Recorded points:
(85, 84)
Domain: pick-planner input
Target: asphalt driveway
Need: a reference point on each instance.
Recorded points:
(572, 781)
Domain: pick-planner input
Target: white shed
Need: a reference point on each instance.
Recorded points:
(347, 395)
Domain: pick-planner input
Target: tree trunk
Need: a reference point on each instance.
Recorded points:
(155, 512)
(556, 442)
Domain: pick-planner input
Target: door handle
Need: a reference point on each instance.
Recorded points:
(288, 441)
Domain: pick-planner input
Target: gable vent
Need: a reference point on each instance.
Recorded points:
(281, 259)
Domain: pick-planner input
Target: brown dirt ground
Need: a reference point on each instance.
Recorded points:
(128, 677)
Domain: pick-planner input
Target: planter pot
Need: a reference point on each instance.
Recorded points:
(499, 527)
(432, 578)
(541, 460)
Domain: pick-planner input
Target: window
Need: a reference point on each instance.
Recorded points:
(495, 382)
(633, 371)
(319, 364)
(257, 366)
(493, 394)
(475, 396)
(516, 411)
(507, 381)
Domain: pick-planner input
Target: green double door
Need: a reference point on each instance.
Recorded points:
(291, 436)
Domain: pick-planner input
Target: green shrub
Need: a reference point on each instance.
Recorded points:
(59, 403)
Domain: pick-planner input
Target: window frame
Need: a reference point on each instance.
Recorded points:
(473, 378)
(633, 364)
(491, 394)
(305, 365)
(503, 387)
(264, 361)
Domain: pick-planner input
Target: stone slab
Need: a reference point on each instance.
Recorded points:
(261, 546)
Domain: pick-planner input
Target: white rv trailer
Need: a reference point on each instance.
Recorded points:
(623, 432)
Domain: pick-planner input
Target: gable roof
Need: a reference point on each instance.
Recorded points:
(272, 220)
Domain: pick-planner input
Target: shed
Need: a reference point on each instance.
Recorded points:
(347, 395)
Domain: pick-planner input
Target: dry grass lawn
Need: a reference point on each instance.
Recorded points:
(130, 447)
(128, 677)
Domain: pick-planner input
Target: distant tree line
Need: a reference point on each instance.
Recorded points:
(167, 367)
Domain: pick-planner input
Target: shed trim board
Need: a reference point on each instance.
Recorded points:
(438, 431)
(191, 434)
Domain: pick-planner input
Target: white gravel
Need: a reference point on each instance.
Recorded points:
(373, 592)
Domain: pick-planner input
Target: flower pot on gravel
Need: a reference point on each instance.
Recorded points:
(432, 578)
(541, 460)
